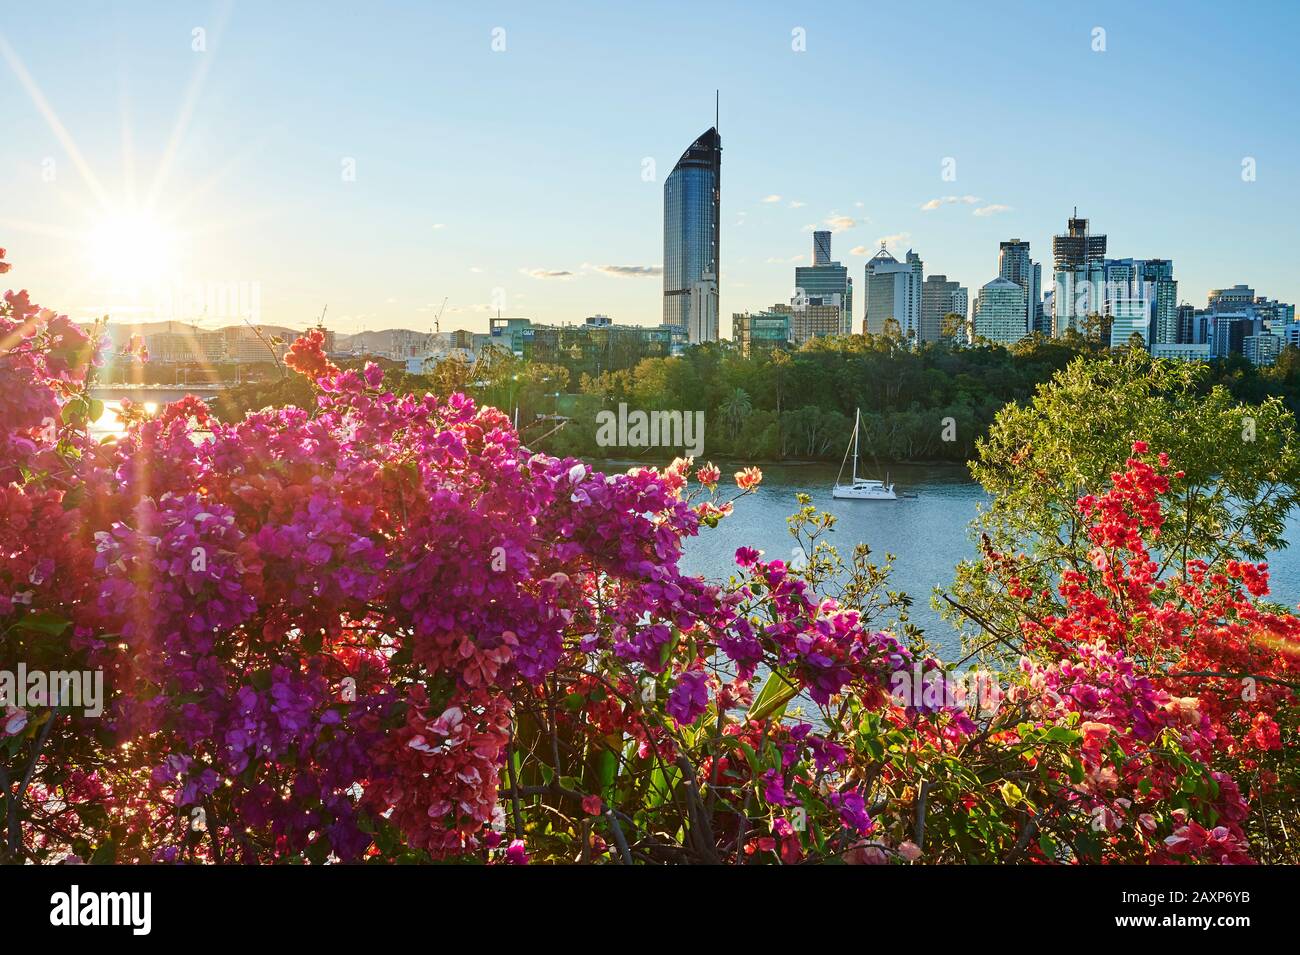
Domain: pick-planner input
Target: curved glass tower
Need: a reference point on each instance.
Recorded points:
(691, 207)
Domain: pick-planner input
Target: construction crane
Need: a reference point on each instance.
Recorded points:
(437, 319)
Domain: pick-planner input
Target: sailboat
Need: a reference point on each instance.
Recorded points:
(862, 489)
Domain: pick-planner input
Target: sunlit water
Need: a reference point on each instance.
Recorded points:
(927, 534)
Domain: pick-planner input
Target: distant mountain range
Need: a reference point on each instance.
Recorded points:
(384, 340)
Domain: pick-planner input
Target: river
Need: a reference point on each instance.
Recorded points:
(927, 534)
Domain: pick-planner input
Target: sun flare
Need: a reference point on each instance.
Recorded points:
(131, 248)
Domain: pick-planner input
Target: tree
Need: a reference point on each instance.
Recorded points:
(735, 410)
(1242, 464)
(954, 327)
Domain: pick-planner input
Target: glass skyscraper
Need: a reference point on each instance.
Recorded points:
(692, 201)
(825, 283)
(1015, 264)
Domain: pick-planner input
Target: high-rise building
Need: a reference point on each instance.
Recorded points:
(760, 333)
(1234, 315)
(1274, 313)
(692, 204)
(1077, 246)
(939, 299)
(892, 291)
(1230, 299)
(1187, 325)
(1015, 264)
(1141, 295)
(1078, 275)
(1161, 290)
(821, 248)
(1000, 312)
(1262, 348)
(809, 320)
(825, 282)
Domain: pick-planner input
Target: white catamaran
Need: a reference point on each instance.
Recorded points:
(861, 489)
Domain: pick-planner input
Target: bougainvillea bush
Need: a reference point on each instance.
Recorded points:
(380, 629)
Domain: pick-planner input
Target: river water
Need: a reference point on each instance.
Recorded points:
(927, 534)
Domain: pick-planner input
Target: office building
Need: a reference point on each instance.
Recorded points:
(692, 205)
(826, 282)
(939, 299)
(1000, 312)
(809, 320)
(1261, 348)
(760, 333)
(1015, 264)
(892, 294)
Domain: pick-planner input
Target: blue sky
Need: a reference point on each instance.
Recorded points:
(479, 173)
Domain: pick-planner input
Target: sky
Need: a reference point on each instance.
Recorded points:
(219, 160)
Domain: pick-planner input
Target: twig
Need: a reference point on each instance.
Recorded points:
(922, 801)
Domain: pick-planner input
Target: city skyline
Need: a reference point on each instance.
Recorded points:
(448, 137)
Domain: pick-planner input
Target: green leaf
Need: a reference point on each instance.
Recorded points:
(1063, 734)
(771, 700)
(606, 769)
(105, 853)
(43, 622)
(1011, 794)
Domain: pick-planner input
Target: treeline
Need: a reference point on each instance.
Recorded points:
(926, 404)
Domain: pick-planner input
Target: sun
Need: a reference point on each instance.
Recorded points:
(131, 248)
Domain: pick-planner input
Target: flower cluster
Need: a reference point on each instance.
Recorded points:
(382, 627)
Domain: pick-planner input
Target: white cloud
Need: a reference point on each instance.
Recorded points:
(772, 198)
(630, 271)
(948, 201)
(796, 204)
(896, 238)
(840, 223)
(440, 225)
(547, 274)
(992, 209)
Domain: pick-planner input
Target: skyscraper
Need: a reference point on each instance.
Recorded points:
(1015, 264)
(821, 248)
(939, 299)
(892, 291)
(1078, 264)
(825, 282)
(692, 203)
(1160, 290)
(1000, 312)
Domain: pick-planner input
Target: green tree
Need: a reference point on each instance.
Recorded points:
(1242, 462)
(735, 409)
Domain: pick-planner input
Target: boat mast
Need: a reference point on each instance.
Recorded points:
(857, 414)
